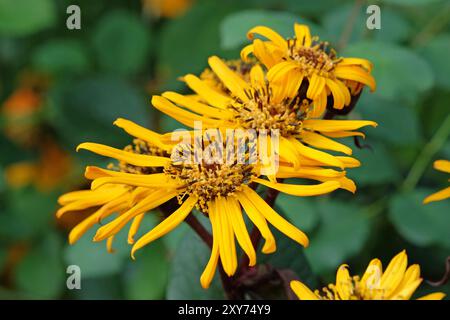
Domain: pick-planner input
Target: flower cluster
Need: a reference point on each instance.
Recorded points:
(279, 85)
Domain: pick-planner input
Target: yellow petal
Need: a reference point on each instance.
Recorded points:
(393, 275)
(109, 245)
(301, 190)
(440, 195)
(134, 228)
(269, 34)
(263, 54)
(321, 142)
(316, 86)
(275, 219)
(318, 155)
(338, 95)
(337, 125)
(240, 230)
(259, 221)
(208, 273)
(229, 78)
(210, 95)
(357, 74)
(246, 51)
(442, 165)
(302, 34)
(128, 157)
(356, 61)
(344, 284)
(227, 254)
(167, 225)
(302, 291)
(433, 296)
(344, 134)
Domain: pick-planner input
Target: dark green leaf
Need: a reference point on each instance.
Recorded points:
(121, 42)
(436, 52)
(423, 225)
(41, 272)
(20, 18)
(300, 210)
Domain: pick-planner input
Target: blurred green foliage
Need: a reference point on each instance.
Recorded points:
(123, 54)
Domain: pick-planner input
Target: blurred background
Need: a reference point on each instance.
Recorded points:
(61, 87)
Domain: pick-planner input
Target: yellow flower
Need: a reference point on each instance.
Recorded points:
(397, 282)
(444, 166)
(220, 191)
(310, 66)
(259, 104)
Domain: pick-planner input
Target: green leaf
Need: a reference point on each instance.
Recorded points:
(24, 17)
(99, 288)
(387, 114)
(146, 277)
(393, 71)
(189, 261)
(376, 167)
(299, 210)
(411, 2)
(436, 52)
(92, 257)
(234, 28)
(343, 231)
(184, 47)
(423, 225)
(61, 57)
(41, 272)
(28, 213)
(3, 255)
(121, 42)
(94, 104)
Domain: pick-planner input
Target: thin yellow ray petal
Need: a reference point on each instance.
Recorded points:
(257, 77)
(345, 91)
(372, 275)
(344, 134)
(263, 54)
(142, 133)
(152, 201)
(196, 106)
(356, 61)
(229, 78)
(433, 296)
(167, 225)
(303, 35)
(318, 155)
(337, 125)
(275, 219)
(440, 195)
(355, 73)
(109, 244)
(269, 34)
(240, 230)
(246, 51)
(393, 275)
(128, 157)
(316, 86)
(134, 228)
(210, 95)
(208, 273)
(338, 95)
(288, 152)
(302, 291)
(259, 221)
(442, 165)
(319, 105)
(321, 142)
(227, 254)
(344, 284)
(301, 190)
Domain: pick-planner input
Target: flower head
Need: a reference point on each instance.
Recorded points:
(221, 191)
(444, 166)
(310, 66)
(257, 103)
(397, 282)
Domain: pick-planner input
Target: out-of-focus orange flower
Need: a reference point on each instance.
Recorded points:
(166, 8)
(47, 173)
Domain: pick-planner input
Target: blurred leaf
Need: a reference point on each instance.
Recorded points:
(184, 47)
(423, 225)
(343, 231)
(312, 7)
(146, 277)
(94, 104)
(41, 272)
(100, 288)
(376, 167)
(92, 257)
(122, 42)
(234, 28)
(61, 57)
(3, 256)
(28, 213)
(299, 210)
(399, 72)
(436, 52)
(411, 2)
(188, 264)
(23, 17)
(397, 124)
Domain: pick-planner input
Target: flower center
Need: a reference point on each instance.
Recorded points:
(209, 180)
(314, 59)
(261, 113)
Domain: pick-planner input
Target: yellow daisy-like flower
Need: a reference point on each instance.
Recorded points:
(444, 166)
(397, 282)
(310, 67)
(260, 104)
(220, 191)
